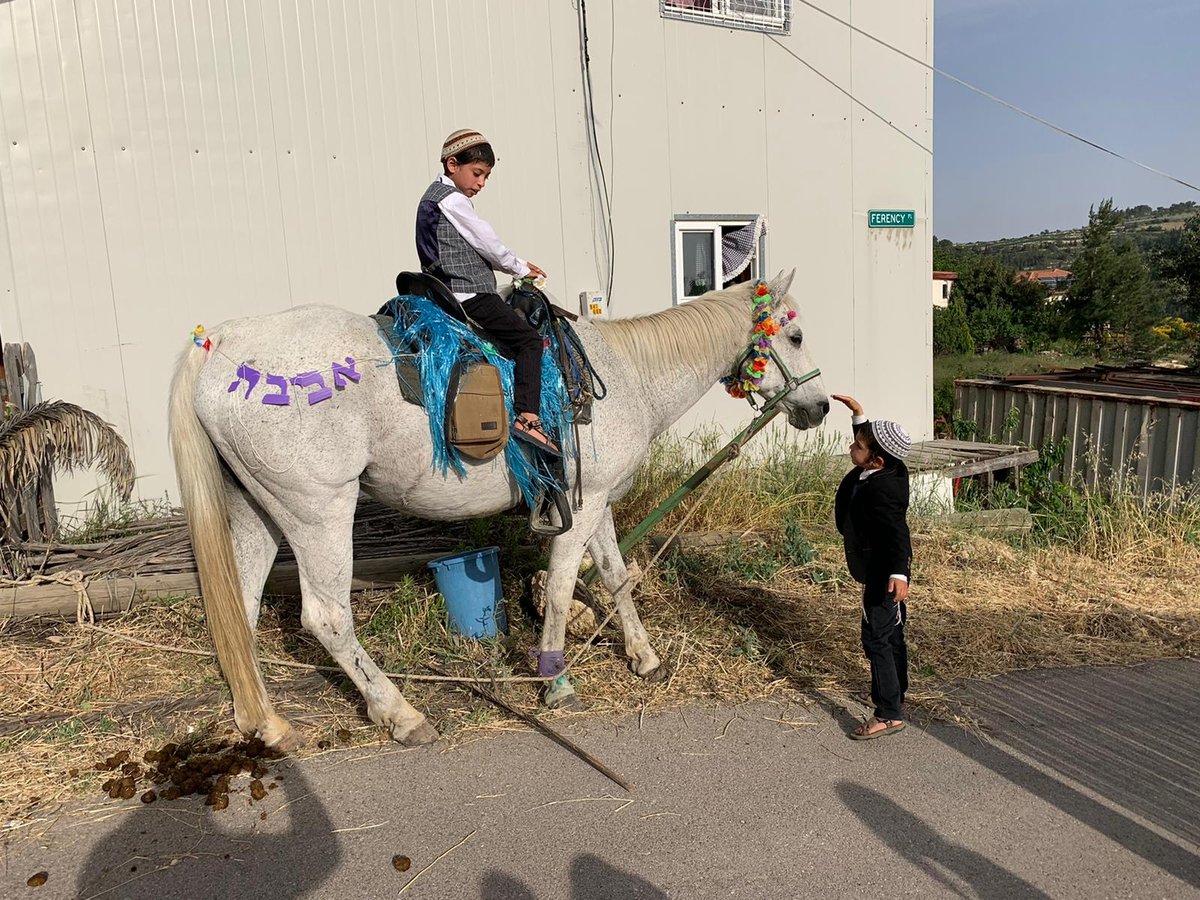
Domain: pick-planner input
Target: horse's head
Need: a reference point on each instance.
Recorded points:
(806, 402)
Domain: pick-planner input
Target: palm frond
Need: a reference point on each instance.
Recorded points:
(61, 436)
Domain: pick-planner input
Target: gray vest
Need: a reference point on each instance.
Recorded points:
(445, 254)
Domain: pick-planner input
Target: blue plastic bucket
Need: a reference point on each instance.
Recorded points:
(470, 583)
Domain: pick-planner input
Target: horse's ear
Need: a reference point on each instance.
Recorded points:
(780, 283)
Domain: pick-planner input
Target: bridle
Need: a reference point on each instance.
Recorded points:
(790, 381)
(744, 378)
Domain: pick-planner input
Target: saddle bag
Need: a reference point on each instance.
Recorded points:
(476, 417)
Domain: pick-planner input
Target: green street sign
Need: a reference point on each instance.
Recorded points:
(891, 218)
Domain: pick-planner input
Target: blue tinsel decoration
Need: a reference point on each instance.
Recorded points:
(440, 341)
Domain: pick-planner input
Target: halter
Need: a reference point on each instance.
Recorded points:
(745, 378)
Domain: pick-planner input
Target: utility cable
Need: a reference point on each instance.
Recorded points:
(1034, 116)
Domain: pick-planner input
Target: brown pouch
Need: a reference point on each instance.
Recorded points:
(476, 417)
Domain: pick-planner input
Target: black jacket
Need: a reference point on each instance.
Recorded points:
(873, 524)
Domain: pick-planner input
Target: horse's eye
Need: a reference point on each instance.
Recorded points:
(797, 338)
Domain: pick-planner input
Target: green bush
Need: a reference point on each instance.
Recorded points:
(951, 334)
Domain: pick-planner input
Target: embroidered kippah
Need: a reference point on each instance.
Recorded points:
(892, 438)
(460, 140)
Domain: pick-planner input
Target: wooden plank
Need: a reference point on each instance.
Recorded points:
(991, 465)
(116, 595)
(996, 521)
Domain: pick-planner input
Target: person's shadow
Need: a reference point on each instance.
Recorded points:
(591, 879)
(184, 849)
(929, 851)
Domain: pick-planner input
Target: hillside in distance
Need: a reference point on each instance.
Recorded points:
(1149, 229)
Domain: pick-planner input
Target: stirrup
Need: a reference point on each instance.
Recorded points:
(522, 429)
(540, 521)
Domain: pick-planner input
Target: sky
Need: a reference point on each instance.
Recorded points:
(1122, 73)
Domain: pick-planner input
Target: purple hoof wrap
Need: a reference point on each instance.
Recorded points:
(550, 662)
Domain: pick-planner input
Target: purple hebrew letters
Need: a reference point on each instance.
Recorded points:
(341, 373)
(308, 379)
(251, 376)
(280, 399)
(247, 374)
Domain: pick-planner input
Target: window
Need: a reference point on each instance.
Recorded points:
(712, 252)
(753, 15)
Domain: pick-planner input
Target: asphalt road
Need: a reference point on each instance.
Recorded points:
(1085, 783)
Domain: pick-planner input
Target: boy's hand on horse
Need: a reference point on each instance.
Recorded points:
(535, 270)
(854, 406)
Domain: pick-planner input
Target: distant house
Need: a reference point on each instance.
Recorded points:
(1055, 281)
(942, 283)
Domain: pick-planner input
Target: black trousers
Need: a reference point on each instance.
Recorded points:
(883, 642)
(515, 338)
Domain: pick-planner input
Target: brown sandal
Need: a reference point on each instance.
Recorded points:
(529, 429)
(863, 732)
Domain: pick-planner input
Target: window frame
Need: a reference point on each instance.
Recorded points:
(721, 16)
(695, 222)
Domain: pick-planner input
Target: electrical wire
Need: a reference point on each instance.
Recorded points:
(597, 163)
(1034, 116)
(888, 122)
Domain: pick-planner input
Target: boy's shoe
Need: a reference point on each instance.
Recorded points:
(529, 429)
(864, 731)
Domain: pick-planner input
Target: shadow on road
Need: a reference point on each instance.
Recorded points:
(591, 879)
(929, 851)
(187, 850)
(1121, 829)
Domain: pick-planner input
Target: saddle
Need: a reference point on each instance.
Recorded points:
(475, 415)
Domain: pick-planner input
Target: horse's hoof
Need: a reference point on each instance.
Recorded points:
(658, 674)
(569, 702)
(560, 695)
(418, 737)
(280, 735)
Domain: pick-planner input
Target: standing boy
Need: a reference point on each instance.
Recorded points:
(463, 251)
(870, 509)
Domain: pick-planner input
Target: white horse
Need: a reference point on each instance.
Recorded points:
(256, 463)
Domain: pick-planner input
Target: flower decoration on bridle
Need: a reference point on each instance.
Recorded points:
(747, 377)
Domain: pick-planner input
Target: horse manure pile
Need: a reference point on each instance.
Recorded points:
(184, 769)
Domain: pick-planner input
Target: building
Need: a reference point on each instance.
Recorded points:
(1056, 281)
(943, 283)
(163, 169)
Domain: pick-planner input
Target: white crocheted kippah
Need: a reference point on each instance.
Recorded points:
(460, 140)
(892, 438)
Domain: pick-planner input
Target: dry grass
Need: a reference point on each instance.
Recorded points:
(768, 615)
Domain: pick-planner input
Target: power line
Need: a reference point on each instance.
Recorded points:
(994, 98)
(834, 84)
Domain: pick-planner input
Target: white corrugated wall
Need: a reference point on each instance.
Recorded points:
(165, 164)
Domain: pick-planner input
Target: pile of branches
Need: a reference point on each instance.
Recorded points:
(161, 546)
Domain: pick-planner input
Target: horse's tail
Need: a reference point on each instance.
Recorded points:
(202, 491)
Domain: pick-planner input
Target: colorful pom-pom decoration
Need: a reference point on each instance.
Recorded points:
(765, 328)
(199, 339)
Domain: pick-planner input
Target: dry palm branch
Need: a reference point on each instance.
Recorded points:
(58, 436)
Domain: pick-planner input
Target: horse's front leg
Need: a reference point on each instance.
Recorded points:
(566, 553)
(606, 553)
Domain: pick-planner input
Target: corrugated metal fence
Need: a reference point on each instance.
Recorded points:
(1118, 437)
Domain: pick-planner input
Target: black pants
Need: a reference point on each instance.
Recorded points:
(883, 642)
(516, 339)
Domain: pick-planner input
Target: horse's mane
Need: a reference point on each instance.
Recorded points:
(687, 335)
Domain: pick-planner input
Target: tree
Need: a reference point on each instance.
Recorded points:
(1182, 262)
(1111, 293)
(951, 334)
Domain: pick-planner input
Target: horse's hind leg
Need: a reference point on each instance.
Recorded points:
(606, 554)
(324, 554)
(255, 544)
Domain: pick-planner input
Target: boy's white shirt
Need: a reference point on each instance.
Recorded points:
(867, 473)
(460, 212)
